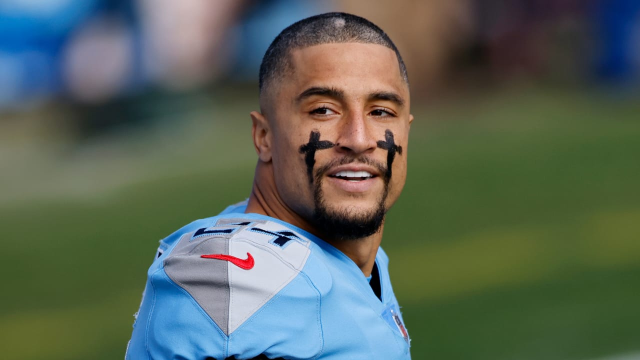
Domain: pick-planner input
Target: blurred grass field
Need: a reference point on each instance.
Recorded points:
(516, 237)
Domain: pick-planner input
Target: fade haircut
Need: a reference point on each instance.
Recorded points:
(335, 27)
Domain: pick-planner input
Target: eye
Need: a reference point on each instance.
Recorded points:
(322, 111)
(382, 112)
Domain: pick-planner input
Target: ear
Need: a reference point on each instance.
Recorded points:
(410, 119)
(261, 133)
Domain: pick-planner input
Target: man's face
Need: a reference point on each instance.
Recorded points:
(340, 126)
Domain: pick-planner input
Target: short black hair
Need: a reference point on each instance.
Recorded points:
(334, 27)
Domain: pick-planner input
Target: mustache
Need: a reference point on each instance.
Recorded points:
(321, 170)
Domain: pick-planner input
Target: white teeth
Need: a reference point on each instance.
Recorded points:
(354, 174)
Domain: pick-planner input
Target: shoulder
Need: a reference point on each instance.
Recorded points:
(239, 237)
(233, 266)
(244, 275)
(252, 284)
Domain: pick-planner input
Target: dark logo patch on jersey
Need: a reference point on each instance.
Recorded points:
(281, 238)
(204, 231)
(221, 229)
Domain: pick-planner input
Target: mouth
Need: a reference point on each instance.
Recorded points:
(353, 176)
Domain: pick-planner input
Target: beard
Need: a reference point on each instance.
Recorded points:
(346, 224)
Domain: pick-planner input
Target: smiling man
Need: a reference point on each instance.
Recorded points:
(297, 271)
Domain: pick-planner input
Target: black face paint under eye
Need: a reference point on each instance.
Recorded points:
(389, 145)
(310, 148)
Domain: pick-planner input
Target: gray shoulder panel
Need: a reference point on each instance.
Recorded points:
(206, 281)
(233, 268)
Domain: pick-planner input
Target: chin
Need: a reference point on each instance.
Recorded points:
(355, 211)
(348, 222)
(348, 225)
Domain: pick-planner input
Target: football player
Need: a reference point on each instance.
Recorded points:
(297, 271)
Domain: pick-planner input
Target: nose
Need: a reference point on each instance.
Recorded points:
(355, 135)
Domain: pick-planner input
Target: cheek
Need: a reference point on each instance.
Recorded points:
(285, 148)
(398, 179)
(291, 182)
(288, 164)
(400, 168)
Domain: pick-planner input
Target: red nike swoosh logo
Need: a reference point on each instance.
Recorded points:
(242, 264)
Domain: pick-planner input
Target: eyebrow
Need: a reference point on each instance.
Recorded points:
(387, 96)
(339, 95)
(321, 91)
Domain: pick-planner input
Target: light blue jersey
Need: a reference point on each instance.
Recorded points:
(245, 285)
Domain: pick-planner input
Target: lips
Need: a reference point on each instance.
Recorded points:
(353, 172)
(353, 175)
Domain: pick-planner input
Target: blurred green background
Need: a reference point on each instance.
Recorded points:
(516, 237)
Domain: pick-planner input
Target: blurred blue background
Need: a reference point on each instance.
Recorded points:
(517, 236)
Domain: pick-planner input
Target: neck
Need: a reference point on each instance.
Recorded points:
(264, 200)
(361, 251)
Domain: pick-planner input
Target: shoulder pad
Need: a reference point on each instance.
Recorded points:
(233, 268)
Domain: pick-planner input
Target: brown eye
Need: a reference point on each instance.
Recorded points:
(381, 113)
(322, 111)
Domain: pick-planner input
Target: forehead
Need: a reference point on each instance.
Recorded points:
(351, 66)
